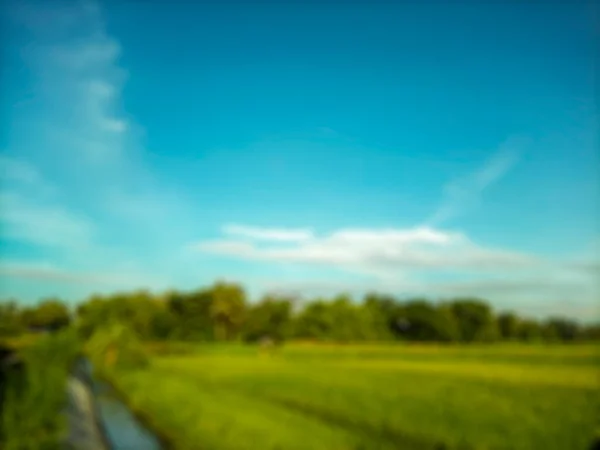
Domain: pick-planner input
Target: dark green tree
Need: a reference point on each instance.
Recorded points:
(49, 314)
(529, 330)
(475, 320)
(270, 318)
(508, 325)
(420, 320)
(11, 323)
(315, 321)
(227, 310)
(385, 315)
(192, 314)
(590, 332)
(560, 328)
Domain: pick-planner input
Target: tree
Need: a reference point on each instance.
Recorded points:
(447, 326)
(419, 320)
(591, 332)
(315, 321)
(475, 320)
(117, 345)
(136, 310)
(563, 329)
(10, 319)
(192, 314)
(352, 322)
(50, 314)
(508, 325)
(92, 314)
(164, 323)
(529, 330)
(270, 318)
(227, 309)
(384, 313)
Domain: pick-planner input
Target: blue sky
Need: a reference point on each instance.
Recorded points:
(417, 149)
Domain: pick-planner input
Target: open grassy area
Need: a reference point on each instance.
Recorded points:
(370, 396)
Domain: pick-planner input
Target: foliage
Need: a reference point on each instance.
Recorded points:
(10, 320)
(475, 320)
(221, 312)
(227, 310)
(508, 325)
(314, 321)
(138, 310)
(116, 346)
(31, 418)
(558, 328)
(270, 318)
(529, 331)
(192, 314)
(50, 314)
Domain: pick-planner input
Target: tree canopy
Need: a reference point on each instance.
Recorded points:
(222, 312)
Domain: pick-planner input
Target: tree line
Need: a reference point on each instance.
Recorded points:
(222, 312)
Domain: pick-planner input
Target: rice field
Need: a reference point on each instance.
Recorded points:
(305, 396)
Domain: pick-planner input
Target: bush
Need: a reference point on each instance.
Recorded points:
(116, 346)
(31, 418)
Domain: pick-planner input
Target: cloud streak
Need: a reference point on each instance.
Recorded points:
(43, 272)
(77, 77)
(43, 225)
(414, 261)
(269, 234)
(465, 193)
(372, 251)
(75, 132)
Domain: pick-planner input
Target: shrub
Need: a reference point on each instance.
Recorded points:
(31, 418)
(116, 346)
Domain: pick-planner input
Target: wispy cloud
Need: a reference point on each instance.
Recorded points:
(51, 226)
(76, 133)
(269, 234)
(465, 193)
(85, 139)
(18, 174)
(373, 251)
(78, 78)
(46, 272)
(415, 261)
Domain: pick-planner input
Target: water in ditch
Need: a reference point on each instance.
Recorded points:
(123, 430)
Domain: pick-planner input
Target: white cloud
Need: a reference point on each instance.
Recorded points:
(374, 251)
(269, 234)
(465, 193)
(84, 130)
(419, 261)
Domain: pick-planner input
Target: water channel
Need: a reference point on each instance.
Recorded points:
(98, 419)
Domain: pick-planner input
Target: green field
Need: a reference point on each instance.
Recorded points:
(370, 397)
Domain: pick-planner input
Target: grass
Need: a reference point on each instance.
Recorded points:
(31, 418)
(307, 396)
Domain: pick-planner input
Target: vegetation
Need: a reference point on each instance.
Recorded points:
(374, 396)
(31, 416)
(116, 347)
(223, 313)
(352, 375)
